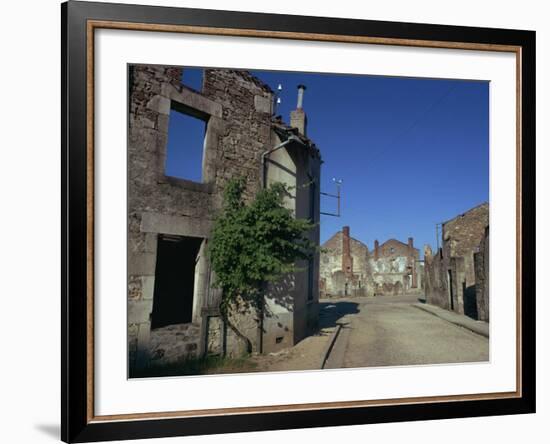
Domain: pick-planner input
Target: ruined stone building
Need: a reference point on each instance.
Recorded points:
(344, 266)
(173, 309)
(395, 267)
(349, 269)
(457, 275)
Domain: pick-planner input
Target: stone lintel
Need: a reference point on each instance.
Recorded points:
(192, 100)
(175, 225)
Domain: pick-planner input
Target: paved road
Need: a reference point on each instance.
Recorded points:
(385, 331)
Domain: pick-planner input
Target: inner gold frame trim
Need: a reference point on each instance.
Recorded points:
(92, 25)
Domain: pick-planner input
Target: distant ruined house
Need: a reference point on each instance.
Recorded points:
(344, 266)
(349, 269)
(395, 267)
(457, 275)
(173, 309)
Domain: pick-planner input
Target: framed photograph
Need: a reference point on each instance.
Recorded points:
(275, 221)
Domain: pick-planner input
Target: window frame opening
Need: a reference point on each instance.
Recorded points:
(190, 113)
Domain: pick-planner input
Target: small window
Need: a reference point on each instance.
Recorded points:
(184, 150)
(392, 250)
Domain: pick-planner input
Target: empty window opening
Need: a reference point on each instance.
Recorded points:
(174, 280)
(184, 150)
(192, 78)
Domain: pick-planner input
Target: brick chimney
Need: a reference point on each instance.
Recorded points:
(376, 247)
(298, 118)
(347, 260)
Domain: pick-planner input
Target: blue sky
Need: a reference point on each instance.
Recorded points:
(411, 152)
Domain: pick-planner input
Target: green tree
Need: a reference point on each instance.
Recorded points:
(254, 244)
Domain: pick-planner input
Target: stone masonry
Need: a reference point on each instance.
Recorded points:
(344, 266)
(349, 269)
(395, 267)
(453, 272)
(481, 260)
(236, 108)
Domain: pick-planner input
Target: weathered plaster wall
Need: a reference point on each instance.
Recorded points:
(292, 303)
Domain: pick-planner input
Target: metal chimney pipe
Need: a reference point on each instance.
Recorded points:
(301, 89)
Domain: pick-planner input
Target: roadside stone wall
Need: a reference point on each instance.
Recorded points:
(481, 259)
(436, 281)
(451, 274)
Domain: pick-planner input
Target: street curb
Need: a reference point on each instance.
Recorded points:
(453, 318)
(330, 344)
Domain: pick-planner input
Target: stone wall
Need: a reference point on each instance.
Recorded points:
(344, 269)
(395, 267)
(349, 269)
(237, 110)
(450, 274)
(481, 260)
(170, 344)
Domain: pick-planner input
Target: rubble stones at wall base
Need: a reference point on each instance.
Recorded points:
(174, 343)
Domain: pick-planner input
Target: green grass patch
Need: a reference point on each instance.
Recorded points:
(208, 365)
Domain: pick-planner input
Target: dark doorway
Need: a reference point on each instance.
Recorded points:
(451, 293)
(470, 300)
(174, 280)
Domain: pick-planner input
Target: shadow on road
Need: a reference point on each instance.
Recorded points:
(331, 312)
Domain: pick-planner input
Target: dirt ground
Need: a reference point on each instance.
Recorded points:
(306, 355)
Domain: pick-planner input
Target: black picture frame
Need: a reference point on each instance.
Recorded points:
(76, 423)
